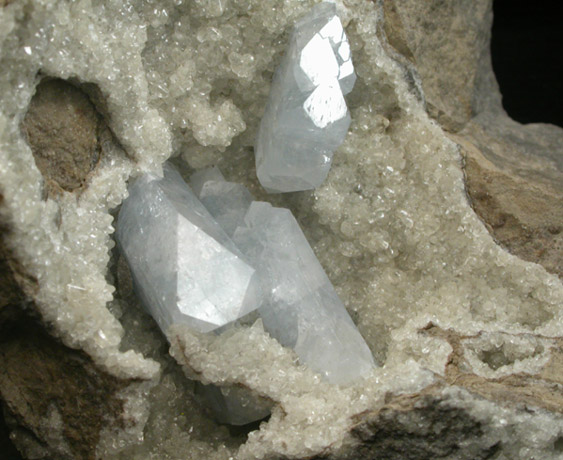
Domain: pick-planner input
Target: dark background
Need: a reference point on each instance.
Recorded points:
(527, 51)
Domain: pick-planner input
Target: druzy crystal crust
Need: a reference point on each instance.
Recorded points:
(306, 117)
(185, 268)
(300, 308)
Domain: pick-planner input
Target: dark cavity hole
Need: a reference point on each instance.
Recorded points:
(495, 358)
(8, 450)
(526, 41)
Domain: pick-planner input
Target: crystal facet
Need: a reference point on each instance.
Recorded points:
(301, 308)
(226, 201)
(306, 117)
(185, 268)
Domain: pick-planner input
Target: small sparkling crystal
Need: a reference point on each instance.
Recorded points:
(306, 117)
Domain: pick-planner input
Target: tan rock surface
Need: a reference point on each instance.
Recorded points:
(521, 202)
(514, 172)
(446, 41)
(62, 129)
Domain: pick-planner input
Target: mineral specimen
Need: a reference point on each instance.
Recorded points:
(306, 117)
(436, 299)
(301, 309)
(186, 269)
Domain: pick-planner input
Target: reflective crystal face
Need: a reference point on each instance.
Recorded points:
(185, 268)
(301, 308)
(306, 117)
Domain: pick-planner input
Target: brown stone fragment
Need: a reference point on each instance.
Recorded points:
(62, 128)
(517, 191)
(58, 400)
(445, 41)
(425, 425)
(420, 427)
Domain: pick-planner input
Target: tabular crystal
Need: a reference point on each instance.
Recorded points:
(185, 268)
(301, 308)
(306, 117)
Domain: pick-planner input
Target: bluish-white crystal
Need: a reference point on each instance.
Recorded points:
(306, 117)
(185, 268)
(301, 308)
(226, 201)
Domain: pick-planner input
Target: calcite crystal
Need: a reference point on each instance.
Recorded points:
(306, 117)
(186, 269)
(301, 308)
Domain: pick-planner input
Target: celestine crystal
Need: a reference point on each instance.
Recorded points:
(185, 268)
(207, 260)
(301, 308)
(306, 117)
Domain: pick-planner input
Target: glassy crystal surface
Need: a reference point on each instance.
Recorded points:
(301, 308)
(226, 201)
(185, 268)
(306, 117)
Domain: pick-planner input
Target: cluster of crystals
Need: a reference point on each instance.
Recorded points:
(207, 262)
(300, 308)
(391, 225)
(306, 117)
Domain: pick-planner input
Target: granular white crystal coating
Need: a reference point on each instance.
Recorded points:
(186, 269)
(301, 309)
(306, 117)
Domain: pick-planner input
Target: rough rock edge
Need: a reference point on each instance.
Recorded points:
(504, 200)
(34, 396)
(454, 432)
(525, 217)
(435, 422)
(31, 388)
